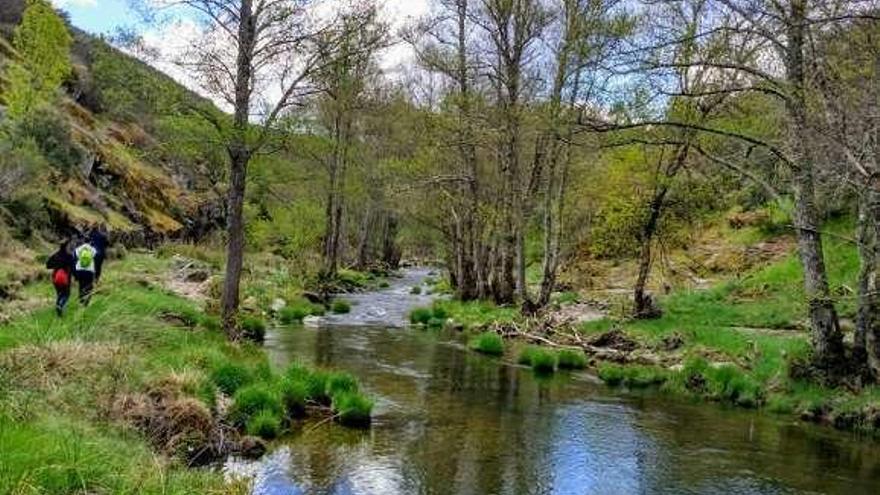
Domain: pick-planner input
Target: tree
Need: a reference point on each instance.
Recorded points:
(347, 62)
(43, 46)
(257, 57)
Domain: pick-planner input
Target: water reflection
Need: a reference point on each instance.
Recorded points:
(449, 421)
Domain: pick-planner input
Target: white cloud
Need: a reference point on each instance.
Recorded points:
(75, 3)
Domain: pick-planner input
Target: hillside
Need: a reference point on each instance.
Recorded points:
(121, 175)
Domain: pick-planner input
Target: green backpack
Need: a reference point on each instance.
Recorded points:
(86, 256)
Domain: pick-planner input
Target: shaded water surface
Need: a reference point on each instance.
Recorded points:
(449, 421)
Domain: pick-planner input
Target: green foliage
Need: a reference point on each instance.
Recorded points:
(250, 400)
(571, 359)
(340, 306)
(543, 361)
(420, 316)
(229, 377)
(43, 43)
(632, 376)
(51, 132)
(253, 328)
(352, 409)
(416, 290)
(210, 322)
(488, 343)
(294, 395)
(340, 382)
(475, 313)
(264, 424)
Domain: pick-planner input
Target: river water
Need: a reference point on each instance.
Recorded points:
(450, 421)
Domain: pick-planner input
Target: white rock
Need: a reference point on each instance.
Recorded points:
(312, 321)
(278, 304)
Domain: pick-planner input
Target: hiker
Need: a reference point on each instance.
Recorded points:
(98, 240)
(61, 263)
(84, 270)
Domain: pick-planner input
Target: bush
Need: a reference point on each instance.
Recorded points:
(341, 306)
(436, 322)
(571, 360)
(416, 290)
(420, 316)
(264, 424)
(252, 399)
(352, 409)
(384, 284)
(253, 329)
(230, 377)
(294, 394)
(488, 343)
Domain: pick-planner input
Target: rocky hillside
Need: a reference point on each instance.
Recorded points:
(125, 168)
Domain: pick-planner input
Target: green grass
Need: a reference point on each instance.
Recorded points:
(352, 409)
(475, 313)
(265, 424)
(632, 376)
(415, 290)
(253, 328)
(540, 359)
(571, 360)
(229, 377)
(340, 306)
(58, 432)
(488, 343)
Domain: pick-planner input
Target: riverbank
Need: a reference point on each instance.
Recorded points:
(743, 341)
(121, 396)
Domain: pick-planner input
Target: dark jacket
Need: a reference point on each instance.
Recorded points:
(61, 259)
(100, 243)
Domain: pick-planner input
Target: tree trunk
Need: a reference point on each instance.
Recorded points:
(234, 243)
(827, 339)
(867, 260)
(239, 156)
(868, 330)
(643, 305)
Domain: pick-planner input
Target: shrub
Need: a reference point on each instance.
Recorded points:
(416, 290)
(420, 316)
(384, 284)
(488, 343)
(230, 377)
(264, 424)
(353, 409)
(436, 323)
(294, 394)
(252, 399)
(543, 361)
(341, 306)
(571, 360)
(253, 328)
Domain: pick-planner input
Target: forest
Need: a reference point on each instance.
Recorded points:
(678, 197)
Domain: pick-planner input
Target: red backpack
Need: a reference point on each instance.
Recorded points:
(61, 278)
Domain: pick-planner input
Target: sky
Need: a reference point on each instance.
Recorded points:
(107, 16)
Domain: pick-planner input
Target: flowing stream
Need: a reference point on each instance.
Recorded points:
(450, 421)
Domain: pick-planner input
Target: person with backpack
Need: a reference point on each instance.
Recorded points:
(61, 263)
(98, 240)
(84, 270)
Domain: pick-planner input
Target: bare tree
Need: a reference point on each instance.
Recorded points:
(256, 56)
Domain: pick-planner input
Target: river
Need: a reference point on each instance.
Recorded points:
(450, 421)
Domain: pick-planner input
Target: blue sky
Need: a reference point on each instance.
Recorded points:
(98, 16)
